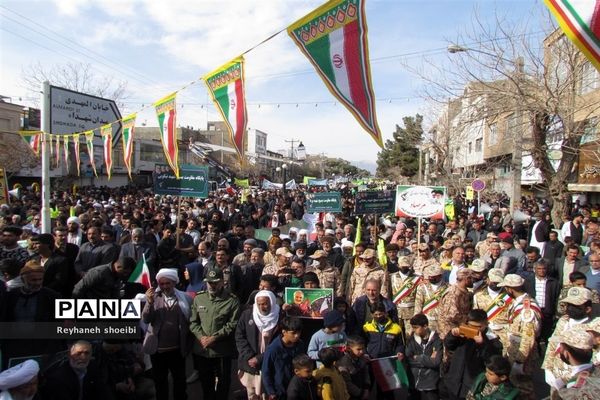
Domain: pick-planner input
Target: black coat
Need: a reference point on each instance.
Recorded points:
(552, 293)
(425, 369)
(302, 389)
(247, 340)
(61, 383)
(57, 275)
(467, 361)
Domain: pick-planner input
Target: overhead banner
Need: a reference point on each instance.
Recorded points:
(166, 112)
(334, 39)
(308, 178)
(317, 182)
(226, 87)
(323, 202)
(420, 201)
(193, 181)
(268, 185)
(375, 202)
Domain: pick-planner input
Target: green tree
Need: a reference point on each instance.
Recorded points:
(400, 157)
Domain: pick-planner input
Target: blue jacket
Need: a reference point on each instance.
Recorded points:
(277, 370)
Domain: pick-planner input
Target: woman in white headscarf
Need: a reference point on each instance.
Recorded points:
(255, 330)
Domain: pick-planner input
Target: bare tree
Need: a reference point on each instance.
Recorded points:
(79, 77)
(533, 86)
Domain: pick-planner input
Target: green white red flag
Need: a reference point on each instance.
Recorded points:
(106, 133)
(580, 21)
(128, 128)
(33, 139)
(66, 150)
(334, 39)
(76, 150)
(141, 273)
(57, 151)
(389, 373)
(226, 87)
(89, 142)
(166, 112)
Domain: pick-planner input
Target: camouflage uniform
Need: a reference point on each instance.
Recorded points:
(361, 274)
(453, 309)
(583, 386)
(419, 264)
(483, 300)
(562, 307)
(426, 292)
(329, 277)
(523, 327)
(405, 306)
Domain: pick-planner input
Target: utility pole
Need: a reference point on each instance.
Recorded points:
(292, 155)
(322, 169)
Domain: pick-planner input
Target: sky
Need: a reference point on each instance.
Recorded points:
(160, 46)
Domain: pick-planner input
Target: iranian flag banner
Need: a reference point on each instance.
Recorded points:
(166, 113)
(57, 151)
(389, 373)
(89, 142)
(106, 133)
(334, 39)
(580, 21)
(226, 87)
(66, 150)
(141, 273)
(128, 128)
(33, 140)
(76, 150)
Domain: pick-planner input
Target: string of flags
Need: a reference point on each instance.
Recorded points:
(334, 39)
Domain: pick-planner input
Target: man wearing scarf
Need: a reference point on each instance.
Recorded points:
(168, 340)
(254, 332)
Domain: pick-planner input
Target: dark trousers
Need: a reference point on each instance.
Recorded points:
(211, 369)
(162, 364)
(547, 326)
(429, 395)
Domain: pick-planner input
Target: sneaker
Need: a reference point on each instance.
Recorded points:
(193, 377)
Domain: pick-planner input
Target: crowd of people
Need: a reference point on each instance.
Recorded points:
(468, 308)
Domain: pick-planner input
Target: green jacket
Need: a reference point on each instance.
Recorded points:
(215, 316)
(506, 391)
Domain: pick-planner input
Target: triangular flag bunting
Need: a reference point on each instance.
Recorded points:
(166, 113)
(106, 133)
(141, 273)
(580, 21)
(334, 39)
(76, 150)
(128, 129)
(57, 151)
(89, 142)
(226, 87)
(33, 140)
(66, 150)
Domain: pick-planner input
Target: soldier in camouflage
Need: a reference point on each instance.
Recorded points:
(368, 269)
(455, 303)
(329, 276)
(424, 259)
(404, 289)
(494, 301)
(429, 293)
(576, 350)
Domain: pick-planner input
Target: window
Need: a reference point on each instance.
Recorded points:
(478, 145)
(590, 131)
(151, 153)
(493, 134)
(470, 147)
(589, 78)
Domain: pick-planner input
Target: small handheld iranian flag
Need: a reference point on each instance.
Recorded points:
(76, 150)
(580, 21)
(106, 133)
(226, 87)
(389, 373)
(89, 142)
(334, 39)
(128, 128)
(141, 273)
(166, 113)
(33, 140)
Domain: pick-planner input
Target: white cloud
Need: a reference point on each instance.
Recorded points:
(70, 8)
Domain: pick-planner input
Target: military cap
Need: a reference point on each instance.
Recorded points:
(214, 275)
(477, 266)
(496, 275)
(577, 338)
(577, 296)
(404, 262)
(433, 270)
(368, 253)
(512, 280)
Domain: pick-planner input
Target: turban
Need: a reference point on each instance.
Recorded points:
(19, 375)
(168, 273)
(73, 219)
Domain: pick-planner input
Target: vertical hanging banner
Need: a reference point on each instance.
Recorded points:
(49, 142)
(580, 21)
(89, 142)
(66, 150)
(76, 150)
(226, 87)
(334, 39)
(166, 113)
(33, 139)
(106, 133)
(57, 151)
(128, 128)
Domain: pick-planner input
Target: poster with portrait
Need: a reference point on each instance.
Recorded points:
(420, 201)
(309, 303)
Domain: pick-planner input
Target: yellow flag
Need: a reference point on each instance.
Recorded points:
(357, 238)
(470, 193)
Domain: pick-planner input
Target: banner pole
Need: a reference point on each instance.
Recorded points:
(178, 221)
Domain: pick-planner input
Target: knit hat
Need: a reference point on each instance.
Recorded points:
(333, 318)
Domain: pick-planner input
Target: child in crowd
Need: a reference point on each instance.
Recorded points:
(332, 335)
(493, 384)
(331, 383)
(302, 386)
(277, 366)
(424, 351)
(354, 368)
